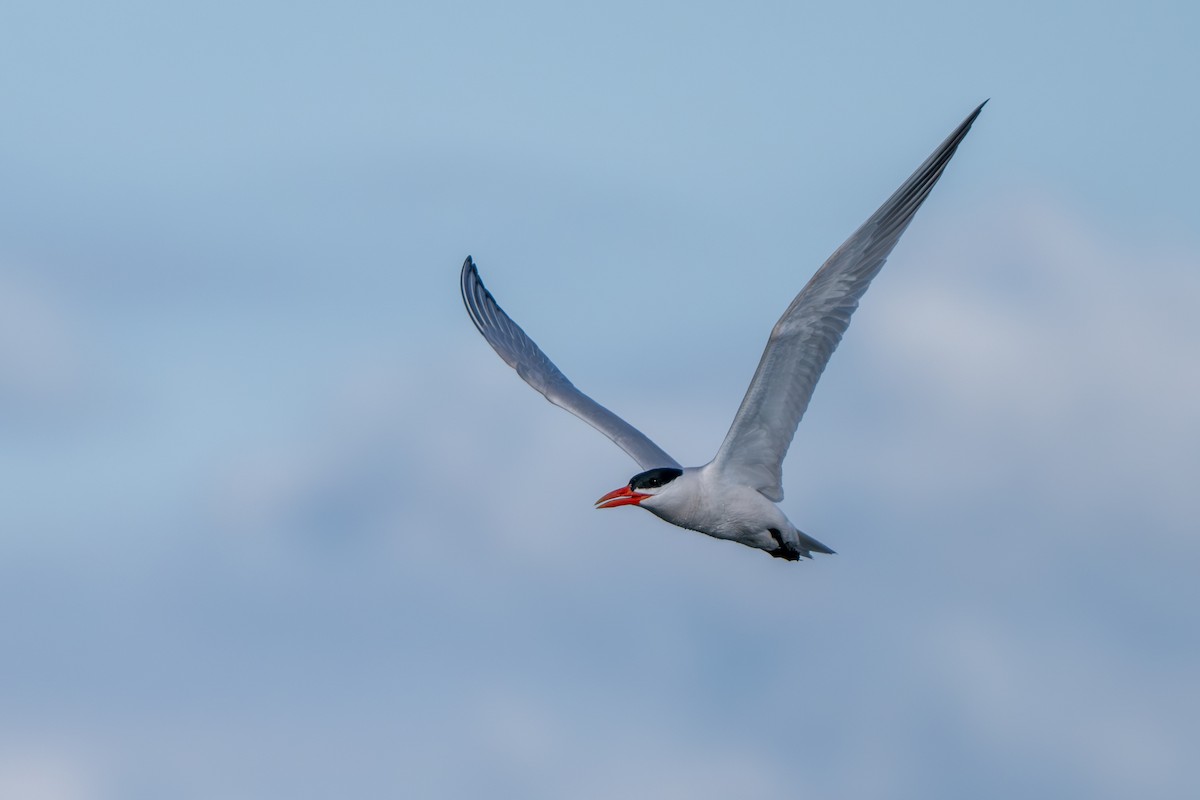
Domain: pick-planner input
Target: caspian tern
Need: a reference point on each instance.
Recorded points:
(734, 496)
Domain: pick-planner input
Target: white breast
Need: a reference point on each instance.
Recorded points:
(699, 501)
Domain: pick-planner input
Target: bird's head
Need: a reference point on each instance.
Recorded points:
(641, 486)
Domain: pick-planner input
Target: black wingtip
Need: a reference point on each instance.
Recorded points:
(471, 286)
(468, 269)
(975, 113)
(933, 167)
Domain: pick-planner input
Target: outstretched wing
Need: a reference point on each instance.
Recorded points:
(520, 353)
(809, 331)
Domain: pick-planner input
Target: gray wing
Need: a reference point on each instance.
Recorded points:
(520, 353)
(809, 331)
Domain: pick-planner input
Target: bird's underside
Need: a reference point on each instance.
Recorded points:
(734, 496)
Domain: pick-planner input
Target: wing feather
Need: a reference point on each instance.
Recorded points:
(809, 331)
(519, 352)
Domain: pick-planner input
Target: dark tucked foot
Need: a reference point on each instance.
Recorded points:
(784, 550)
(786, 553)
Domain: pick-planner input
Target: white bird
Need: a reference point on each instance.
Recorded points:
(734, 496)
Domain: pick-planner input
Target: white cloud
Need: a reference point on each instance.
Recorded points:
(1030, 342)
(1068, 705)
(33, 771)
(492, 616)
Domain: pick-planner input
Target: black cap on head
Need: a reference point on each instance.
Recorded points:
(654, 478)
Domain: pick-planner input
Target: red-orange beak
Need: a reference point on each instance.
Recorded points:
(621, 497)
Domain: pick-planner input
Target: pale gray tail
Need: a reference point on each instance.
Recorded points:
(806, 542)
(804, 547)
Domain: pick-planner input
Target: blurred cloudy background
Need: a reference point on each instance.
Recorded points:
(276, 522)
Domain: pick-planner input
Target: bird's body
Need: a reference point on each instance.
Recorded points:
(734, 496)
(700, 500)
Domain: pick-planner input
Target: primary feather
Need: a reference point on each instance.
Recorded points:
(810, 330)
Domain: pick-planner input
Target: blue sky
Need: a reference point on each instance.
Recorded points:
(276, 522)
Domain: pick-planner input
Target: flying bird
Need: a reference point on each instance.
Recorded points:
(735, 495)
